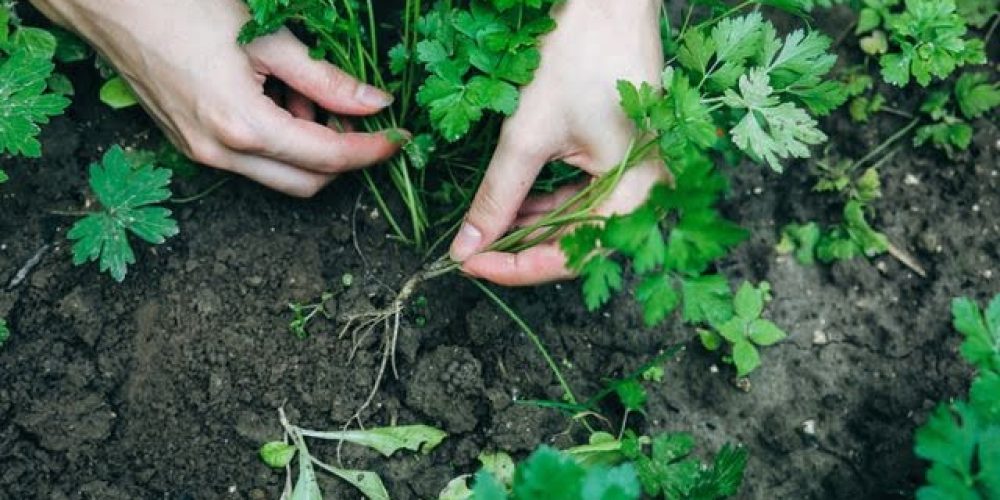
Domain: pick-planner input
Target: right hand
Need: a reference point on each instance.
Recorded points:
(207, 93)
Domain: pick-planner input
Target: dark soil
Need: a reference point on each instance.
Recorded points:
(164, 386)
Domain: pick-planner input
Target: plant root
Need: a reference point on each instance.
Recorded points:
(389, 319)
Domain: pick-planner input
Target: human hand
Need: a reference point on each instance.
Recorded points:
(570, 112)
(207, 92)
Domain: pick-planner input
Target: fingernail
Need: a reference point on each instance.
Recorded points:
(466, 243)
(373, 97)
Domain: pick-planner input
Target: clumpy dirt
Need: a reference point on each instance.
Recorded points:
(164, 386)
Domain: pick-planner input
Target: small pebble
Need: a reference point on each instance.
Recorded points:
(911, 180)
(758, 190)
(809, 427)
(713, 369)
(987, 274)
(820, 338)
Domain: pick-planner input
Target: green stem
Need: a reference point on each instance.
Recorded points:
(886, 144)
(211, 189)
(568, 392)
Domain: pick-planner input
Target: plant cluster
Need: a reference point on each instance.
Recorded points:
(961, 439)
(917, 43)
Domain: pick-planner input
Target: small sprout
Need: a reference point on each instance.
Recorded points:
(277, 454)
(653, 374)
(347, 280)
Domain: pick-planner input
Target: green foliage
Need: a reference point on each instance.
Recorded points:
(475, 59)
(385, 440)
(673, 236)
(928, 39)
(744, 330)
(26, 99)
(117, 94)
(4, 332)
(128, 196)
(982, 333)
(549, 473)
(962, 439)
(304, 314)
(669, 470)
(973, 96)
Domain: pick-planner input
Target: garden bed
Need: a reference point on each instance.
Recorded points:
(166, 385)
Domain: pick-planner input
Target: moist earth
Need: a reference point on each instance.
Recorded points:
(164, 386)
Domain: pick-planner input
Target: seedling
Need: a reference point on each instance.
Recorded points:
(128, 196)
(385, 440)
(962, 439)
(303, 314)
(745, 330)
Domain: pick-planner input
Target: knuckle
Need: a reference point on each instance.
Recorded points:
(204, 151)
(238, 134)
(487, 206)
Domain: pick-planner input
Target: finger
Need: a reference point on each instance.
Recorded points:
(545, 203)
(634, 187)
(541, 264)
(299, 105)
(508, 180)
(285, 57)
(276, 175)
(274, 133)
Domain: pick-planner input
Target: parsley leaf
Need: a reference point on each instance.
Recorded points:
(930, 37)
(982, 332)
(602, 276)
(127, 196)
(24, 103)
(975, 96)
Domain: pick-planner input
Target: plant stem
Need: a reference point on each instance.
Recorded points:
(211, 189)
(567, 391)
(886, 144)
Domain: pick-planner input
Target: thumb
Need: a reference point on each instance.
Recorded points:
(508, 180)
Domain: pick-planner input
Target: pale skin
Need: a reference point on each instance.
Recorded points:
(207, 94)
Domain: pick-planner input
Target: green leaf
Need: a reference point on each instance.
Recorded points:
(4, 332)
(602, 276)
(868, 19)
(707, 300)
(549, 474)
(982, 336)
(493, 94)
(738, 38)
(126, 195)
(579, 245)
(748, 303)
(617, 483)
(500, 465)
(975, 95)
(24, 104)
(277, 454)
(765, 333)
(770, 130)
(638, 236)
(388, 440)
(306, 486)
(658, 298)
(698, 239)
(745, 357)
(117, 94)
(949, 442)
(983, 395)
(487, 487)
(367, 482)
(802, 240)
(632, 395)
(724, 477)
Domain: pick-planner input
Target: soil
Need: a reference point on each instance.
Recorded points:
(165, 386)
